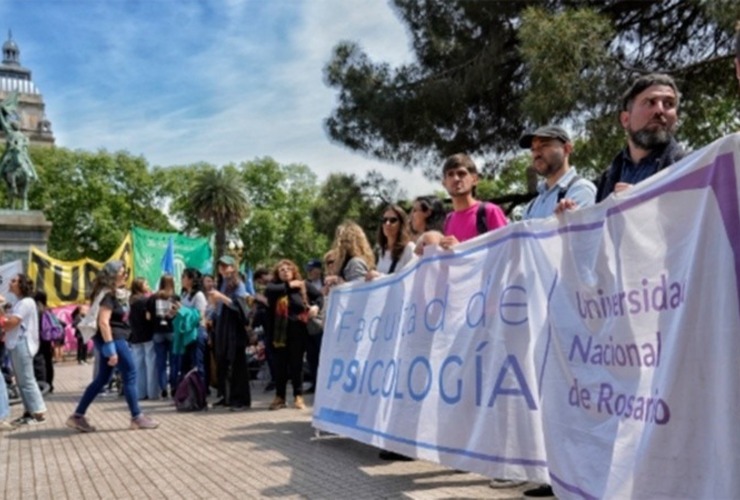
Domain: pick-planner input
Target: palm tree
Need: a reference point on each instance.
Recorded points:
(218, 197)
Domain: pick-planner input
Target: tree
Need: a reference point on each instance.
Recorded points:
(486, 71)
(217, 198)
(93, 200)
(280, 224)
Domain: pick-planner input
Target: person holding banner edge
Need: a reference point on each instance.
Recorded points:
(551, 148)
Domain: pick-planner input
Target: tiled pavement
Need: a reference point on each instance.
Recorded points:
(214, 454)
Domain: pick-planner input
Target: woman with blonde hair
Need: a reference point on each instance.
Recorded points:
(354, 256)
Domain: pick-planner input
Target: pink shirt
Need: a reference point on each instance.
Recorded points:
(462, 224)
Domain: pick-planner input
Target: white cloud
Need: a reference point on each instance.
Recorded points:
(185, 82)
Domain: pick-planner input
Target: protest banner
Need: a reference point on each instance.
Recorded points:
(68, 282)
(596, 351)
(150, 248)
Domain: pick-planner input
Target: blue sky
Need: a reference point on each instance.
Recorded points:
(183, 81)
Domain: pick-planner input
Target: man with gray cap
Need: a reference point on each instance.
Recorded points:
(551, 147)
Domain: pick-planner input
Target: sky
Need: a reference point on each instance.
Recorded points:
(219, 81)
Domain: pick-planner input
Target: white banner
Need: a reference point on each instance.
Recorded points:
(597, 352)
(7, 272)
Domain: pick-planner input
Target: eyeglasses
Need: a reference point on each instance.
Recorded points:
(389, 220)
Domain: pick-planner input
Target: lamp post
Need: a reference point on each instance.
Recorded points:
(236, 249)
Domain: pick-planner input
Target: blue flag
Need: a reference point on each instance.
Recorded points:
(249, 281)
(168, 259)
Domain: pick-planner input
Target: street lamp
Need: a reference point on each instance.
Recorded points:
(236, 249)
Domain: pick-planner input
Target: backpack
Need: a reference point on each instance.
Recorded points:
(191, 393)
(481, 222)
(51, 328)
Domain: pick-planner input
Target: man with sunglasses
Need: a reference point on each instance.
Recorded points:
(470, 217)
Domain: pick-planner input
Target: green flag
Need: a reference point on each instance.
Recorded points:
(150, 248)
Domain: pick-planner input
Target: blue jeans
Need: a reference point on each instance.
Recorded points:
(4, 403)
(128, 375)
(145, 361)
(22, 361)
(163, 351)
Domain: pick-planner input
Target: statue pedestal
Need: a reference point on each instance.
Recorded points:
(19, 231)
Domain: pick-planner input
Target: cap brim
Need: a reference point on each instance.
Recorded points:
(526, 141)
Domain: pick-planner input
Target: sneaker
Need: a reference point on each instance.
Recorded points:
(277, 403)
(22, 420)
(79, 423)
(498, 484)
(143, 422)
(6, 426)
(542, 491)
(299, 404)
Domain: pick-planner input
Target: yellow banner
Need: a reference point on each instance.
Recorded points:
(69, 282)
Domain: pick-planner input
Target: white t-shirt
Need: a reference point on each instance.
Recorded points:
(386, 259)
(25, 310)
(198, 302)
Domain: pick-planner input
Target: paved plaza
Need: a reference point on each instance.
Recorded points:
(213, 454)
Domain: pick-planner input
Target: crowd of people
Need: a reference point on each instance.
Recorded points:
(153, 339)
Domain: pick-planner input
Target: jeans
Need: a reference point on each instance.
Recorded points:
(4, 403)
(147, 378)
(163, 351)
(22, 361)
(128, 376)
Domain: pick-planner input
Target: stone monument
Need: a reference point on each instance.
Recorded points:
(20, 228)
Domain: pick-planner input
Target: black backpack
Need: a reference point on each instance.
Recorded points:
(191, 393)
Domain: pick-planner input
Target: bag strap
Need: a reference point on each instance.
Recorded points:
(564, 189)
(481, 222)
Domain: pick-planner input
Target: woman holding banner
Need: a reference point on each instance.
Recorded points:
(354, 256)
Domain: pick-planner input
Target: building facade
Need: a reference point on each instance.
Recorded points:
(14, 77)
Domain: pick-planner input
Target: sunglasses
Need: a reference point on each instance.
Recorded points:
(389, 220)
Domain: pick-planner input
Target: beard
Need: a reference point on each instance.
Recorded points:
(651, 138)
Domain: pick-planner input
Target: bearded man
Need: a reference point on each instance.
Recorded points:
(649, 116)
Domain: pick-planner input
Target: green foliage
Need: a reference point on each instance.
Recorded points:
(93, 199)
(217, 198)
(280, 224)
(486, 71)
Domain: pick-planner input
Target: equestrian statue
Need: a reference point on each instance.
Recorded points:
(15, 165)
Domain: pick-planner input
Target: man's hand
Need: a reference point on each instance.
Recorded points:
(565, 204)
(426, 239)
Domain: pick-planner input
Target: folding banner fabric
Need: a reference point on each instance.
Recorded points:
(69, 282)
(596, 351)
(150, 248)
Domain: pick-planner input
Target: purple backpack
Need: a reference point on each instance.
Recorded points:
(190, 394)
(51, 328)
